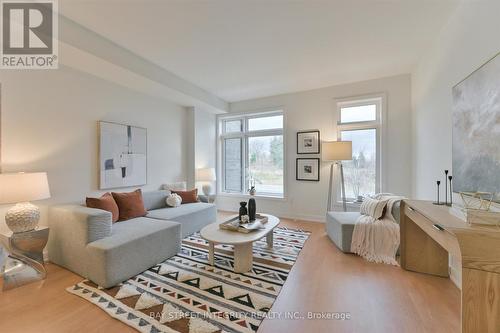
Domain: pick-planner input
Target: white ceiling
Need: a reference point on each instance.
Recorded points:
(247, 49)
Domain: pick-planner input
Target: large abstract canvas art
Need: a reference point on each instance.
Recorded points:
(476, 131)
(123, 155)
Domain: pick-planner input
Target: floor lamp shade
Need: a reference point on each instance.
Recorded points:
(337, 151)
(21, 188)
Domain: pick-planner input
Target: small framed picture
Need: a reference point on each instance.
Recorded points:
(307, 169)
(308, 142)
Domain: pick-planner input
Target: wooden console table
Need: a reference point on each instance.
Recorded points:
(429, 233)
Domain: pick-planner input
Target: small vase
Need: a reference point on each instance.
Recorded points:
(252, 207)
(252, 190)
(243, 209)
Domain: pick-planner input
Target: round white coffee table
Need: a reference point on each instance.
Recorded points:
(243, 243)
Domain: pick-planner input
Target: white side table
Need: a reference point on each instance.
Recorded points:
(25, 262)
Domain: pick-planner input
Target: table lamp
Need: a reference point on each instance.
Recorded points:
(206, 175)
(336, 152)
(20, 188)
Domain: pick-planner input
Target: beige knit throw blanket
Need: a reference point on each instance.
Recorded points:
(377, 240)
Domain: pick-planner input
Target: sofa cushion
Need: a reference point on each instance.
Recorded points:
(105, 202)
(178, 186)
(373, 207)
(192, 216)
(155, 199)
(130, 204)
(133, 246)
(188, 196)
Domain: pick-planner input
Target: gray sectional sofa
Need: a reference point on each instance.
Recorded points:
(85, 241)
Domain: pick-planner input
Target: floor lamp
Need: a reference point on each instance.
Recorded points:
(336, 152)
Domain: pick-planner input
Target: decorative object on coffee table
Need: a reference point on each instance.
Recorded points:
(242, 242)
(20, 188)
(25, 263)
(252, 209)
(308, 142)
(207, 176)
(244, 225)
(243, 209)
(335, 152)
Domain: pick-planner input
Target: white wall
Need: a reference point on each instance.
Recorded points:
(205, 126)
(49, 123)
(315, 109)
(468, 40)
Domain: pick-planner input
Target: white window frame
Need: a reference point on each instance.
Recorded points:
(244, 135)
(378, 124)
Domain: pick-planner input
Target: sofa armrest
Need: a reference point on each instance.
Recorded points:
(86, 224)
(72, 227)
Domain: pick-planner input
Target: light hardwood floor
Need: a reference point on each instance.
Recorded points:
(379, 298)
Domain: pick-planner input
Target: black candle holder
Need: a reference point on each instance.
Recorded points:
(438, 182)
(446, 187)
(451, 191)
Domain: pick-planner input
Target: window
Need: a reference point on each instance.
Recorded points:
(359, 121)
(252, 153)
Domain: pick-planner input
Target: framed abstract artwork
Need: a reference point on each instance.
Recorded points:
(307, 169)
(476, 131)
(122, 155)
(308, 142)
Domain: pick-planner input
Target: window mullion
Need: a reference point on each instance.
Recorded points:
(244, 163)
(265, 133)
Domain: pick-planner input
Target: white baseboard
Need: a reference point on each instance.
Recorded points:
(304, 218)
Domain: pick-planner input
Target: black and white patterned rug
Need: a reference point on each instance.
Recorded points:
(186, 294)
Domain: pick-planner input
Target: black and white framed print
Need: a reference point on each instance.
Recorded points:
(308, 142)
(307, 169)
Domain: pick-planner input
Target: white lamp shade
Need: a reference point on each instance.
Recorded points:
(22, 187)
(205, 174)
(337, 151)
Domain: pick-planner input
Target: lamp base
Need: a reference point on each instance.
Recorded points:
(22, 217)
(207, 189)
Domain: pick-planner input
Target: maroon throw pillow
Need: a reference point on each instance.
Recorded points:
(130, 205)
(105, 202)
(188, 196)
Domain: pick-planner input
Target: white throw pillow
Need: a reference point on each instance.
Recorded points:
(174, 200)
(373, 207)
(179, 186)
